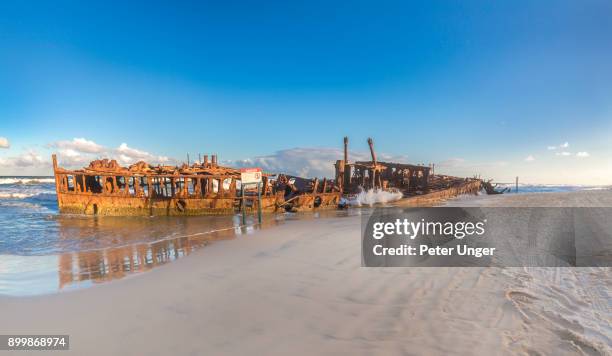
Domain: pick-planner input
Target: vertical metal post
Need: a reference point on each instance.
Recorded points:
(259, 202)
(373, 177)
(243, 205)
(516, 184)
(345, 149)
(57, 179)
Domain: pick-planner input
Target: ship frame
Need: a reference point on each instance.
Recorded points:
(105, 188)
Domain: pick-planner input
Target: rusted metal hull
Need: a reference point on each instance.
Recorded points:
(126, 206)
(91, 204)
(316, 201)
(105, 188)
(374, 174)
(470, 187)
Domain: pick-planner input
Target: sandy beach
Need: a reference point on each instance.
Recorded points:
(299, 288)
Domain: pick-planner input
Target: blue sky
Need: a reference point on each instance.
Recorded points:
(476, 87)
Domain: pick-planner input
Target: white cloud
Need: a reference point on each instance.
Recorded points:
(131, 152)
(80, 151)
(307, 162)
(30, 158)
(530, 158)
(451, 163)
(583, 154)
(79, 145)
(77, 153)
(560, 147)
(73, 158)
(462, 163)
(564, 153)
(461, 167)
(4, 142)
(128, 155)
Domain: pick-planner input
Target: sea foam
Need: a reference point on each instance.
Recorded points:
(374, 196)
(21, 180)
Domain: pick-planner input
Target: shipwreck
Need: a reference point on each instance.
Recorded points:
(207, 188)
(417, 183)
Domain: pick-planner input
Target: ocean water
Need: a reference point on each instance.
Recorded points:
(548, 188)
(42, 251)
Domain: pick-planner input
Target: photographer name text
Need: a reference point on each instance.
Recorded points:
(403, 228)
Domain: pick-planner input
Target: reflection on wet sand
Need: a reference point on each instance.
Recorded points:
(72, 251)
(134, 256)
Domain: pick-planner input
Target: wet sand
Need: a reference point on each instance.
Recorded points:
(298, 288)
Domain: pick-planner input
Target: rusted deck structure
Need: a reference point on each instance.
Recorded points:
(106, 188)
(407, 178)
(416, 182)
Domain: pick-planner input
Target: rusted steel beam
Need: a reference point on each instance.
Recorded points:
(372, 153)
(346, 158)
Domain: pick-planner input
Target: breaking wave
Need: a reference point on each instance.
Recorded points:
(43, 197)
(20, 180)
(374, 196)
(31, 196)
(15, 195)
(37, 189)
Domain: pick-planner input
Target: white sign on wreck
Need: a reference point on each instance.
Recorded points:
(250, 175)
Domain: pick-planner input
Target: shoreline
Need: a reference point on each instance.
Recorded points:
(300, 286)
(279, 292)
(581, 198)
